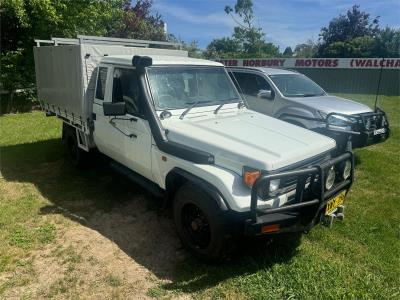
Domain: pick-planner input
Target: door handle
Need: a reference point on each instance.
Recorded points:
(133, 136)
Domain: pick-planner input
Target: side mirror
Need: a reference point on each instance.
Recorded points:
(265, 94)
(114, 109)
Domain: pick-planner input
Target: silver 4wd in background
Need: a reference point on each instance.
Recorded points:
(177, 126)
(295, 98)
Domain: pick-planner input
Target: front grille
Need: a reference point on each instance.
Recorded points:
(372, 121)
(290, 183)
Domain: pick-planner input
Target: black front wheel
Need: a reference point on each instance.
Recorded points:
(201, 225)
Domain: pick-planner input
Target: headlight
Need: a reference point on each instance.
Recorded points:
(330, 178)
(346, 169)
(274, 185)
(340, 121)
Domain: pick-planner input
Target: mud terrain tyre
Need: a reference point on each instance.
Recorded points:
(201, 225)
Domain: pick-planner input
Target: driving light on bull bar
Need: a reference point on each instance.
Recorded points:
(346, 169)
(274, 185)
(250, 176)
(330, 178)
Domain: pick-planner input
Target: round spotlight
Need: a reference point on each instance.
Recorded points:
(330, 178)
(368, 124)
(274, 185)
(347, 169)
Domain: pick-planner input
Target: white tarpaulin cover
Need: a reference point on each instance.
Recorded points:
(66, 75)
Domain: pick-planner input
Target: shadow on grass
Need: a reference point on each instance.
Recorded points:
(123, 212)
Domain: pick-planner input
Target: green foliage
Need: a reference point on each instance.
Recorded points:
(223, 48)
(138, 23)
(192, 47)
(307, 49)
(46, 233)
(354, 24)
(356, 35)
(24, 20)
(247, 40)
(21, 237)
(387, 42)
(14, 71)
(24, 236)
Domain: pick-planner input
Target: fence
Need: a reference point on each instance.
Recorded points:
(338, 75)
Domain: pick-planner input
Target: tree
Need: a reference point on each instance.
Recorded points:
(192, 48)
(247, 39)
(288, 52)
(387, 43)
(138, 22)
(223, 48)
(307, 49)
(346, 32)
(24, 20)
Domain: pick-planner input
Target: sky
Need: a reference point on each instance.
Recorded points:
(285, 22)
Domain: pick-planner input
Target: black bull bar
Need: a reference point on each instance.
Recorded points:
(258, 217)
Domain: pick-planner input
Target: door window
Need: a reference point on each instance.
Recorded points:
(251, 84)
(126, 89)
(101, 83)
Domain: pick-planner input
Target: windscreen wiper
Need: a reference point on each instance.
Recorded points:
(222, 104)
(188, 109)
(218, 108)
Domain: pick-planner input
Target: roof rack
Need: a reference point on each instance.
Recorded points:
(86, 39)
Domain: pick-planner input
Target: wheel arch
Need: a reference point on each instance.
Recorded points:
(299, 116)
(178, 177)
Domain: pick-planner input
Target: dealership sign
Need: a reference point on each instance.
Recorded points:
(334, 63)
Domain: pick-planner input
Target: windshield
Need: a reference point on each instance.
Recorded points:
(181, 87)
(296, 85)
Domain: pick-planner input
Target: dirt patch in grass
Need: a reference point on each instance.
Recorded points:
(127, 253)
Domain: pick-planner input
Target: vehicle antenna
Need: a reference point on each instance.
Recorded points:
(379, 84)
(238, 87)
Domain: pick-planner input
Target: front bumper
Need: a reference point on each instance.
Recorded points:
(371, 129)
(305, 210)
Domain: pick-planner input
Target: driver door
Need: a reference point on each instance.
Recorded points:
(254, 87)
(126, 139)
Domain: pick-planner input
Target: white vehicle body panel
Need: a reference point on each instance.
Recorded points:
(229, 184)
(240, 138)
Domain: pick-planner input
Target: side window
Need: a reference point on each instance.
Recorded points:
(255, 83)
(126, 89)
(237, 79)
(101, 83)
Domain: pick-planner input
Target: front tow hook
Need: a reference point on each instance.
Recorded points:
(327, 220)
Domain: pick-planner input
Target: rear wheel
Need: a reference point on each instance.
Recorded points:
(76, 155)
(201, 225)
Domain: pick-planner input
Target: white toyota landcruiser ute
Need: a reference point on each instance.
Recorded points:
(177, 126)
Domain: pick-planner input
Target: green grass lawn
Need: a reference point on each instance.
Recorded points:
(359, 258)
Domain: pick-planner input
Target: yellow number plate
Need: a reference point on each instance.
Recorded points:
(334, 202)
